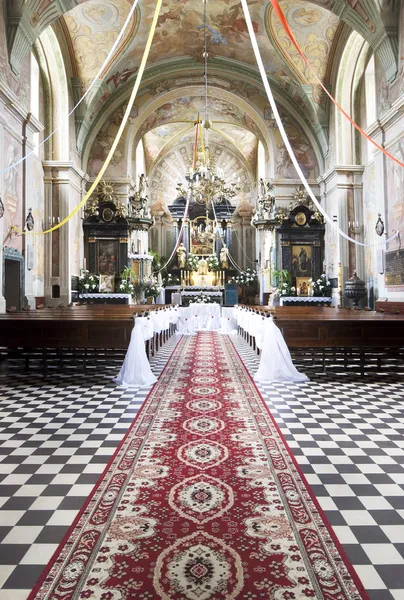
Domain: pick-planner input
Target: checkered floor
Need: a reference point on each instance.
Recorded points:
(346, 433)
(57, 435)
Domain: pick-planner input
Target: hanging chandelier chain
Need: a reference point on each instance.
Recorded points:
(205, 56)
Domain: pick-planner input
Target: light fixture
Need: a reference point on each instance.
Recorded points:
(206, 183)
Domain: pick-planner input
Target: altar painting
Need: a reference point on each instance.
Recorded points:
(301, 261)
(202, 241)
(107, 257)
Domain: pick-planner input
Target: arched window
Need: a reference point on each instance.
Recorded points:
(370, 92)
(140, 160)
(261, 166)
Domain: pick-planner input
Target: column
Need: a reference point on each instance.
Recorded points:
(63, 247)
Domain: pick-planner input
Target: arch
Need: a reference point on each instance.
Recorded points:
(59, 95)
(351, 64)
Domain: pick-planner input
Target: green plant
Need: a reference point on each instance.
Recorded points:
(283, 275)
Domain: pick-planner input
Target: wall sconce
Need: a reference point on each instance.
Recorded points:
(29, 221)
(379, 227)
(1, 208)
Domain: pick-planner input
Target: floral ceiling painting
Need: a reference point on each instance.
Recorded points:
(93, 28)
(314, 29)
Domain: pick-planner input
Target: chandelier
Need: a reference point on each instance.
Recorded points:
(207, 184)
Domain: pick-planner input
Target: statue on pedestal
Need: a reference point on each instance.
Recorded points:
(181, 255)
(224, 257)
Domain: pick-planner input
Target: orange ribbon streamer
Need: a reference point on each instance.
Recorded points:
(282, 19)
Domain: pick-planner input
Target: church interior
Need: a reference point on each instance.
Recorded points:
(202, 299)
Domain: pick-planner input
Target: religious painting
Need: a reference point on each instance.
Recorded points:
(107, 283)
(202, 237)
(107, 257)
(303, 286)
(301, 261)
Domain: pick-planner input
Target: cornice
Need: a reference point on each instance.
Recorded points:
(336, 170)
(68, 166)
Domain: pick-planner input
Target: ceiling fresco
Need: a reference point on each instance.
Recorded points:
(314, 29)
(93, 29)
(182, 21)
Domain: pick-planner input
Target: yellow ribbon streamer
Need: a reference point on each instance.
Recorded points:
(203, 144)
(120, 131)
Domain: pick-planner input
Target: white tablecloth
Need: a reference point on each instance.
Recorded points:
(303, 299)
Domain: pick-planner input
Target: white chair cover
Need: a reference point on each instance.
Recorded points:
(136, 370)
(276, 363)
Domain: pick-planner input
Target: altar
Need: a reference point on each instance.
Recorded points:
(184, 296)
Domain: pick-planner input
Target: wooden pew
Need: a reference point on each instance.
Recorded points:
(322, 332)
(86, 329)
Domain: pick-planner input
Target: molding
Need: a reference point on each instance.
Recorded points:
(336, 170)
(63, 166)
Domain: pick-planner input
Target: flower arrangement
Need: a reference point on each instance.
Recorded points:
(213, 263)
(322, 286)
(171, 280)
(286, 289)
(88, 283)
(151, 287)
(126, 285)
(192, 263)
(249, 277)
(203, 299)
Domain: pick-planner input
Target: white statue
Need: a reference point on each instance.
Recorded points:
(224, 257)
(181, 255)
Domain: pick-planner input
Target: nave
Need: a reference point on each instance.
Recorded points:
(58, 435)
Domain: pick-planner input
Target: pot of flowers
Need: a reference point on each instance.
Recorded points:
(247, 285)
(88, 284)
(321, 286)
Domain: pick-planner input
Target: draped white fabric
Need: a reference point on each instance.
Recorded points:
(136, 370)
(228, 321)
(199, 316)
(275, 363)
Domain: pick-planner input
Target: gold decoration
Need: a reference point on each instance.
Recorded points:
(106, 191)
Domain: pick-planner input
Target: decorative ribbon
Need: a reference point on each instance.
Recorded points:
(203, 145)
(285, 137)
(94, 81)
(279, 13)
(179, 238)
(121, 128)
(196, 141)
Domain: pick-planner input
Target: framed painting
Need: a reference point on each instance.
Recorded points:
(107, 256)
(302, 261)
(107, 283)
(303, 286)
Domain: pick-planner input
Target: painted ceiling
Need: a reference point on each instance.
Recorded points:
(180, 33)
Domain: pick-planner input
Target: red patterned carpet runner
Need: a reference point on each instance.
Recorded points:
(202, 501)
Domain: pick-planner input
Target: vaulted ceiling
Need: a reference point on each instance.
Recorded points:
(238, 107)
